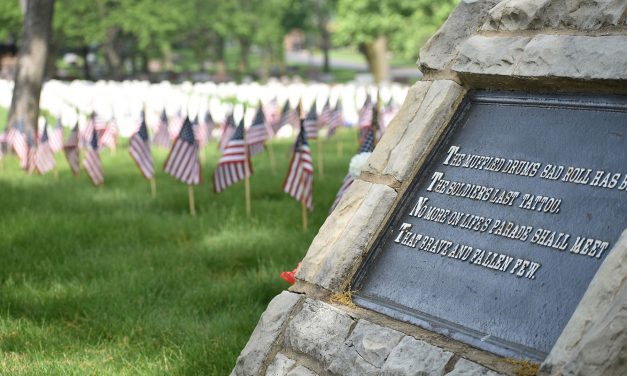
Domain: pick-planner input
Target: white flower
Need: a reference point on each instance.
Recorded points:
(358, 163)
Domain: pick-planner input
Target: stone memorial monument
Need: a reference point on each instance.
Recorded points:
(486, 235)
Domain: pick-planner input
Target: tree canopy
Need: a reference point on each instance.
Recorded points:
(129, 33)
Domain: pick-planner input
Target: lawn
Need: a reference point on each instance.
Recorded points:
(112, 282)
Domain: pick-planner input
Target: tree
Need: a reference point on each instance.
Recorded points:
(31, 63)
(374, 26)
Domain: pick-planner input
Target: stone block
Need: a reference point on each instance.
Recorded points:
(577, 57)
(265, 334)
(593, 341)
(412, 357)
(366, 350)
(342, 239)
(318, 330)
(436, 109)
(397, 128)
(517, 15)
(465, 367)
(490, 55)
(280, 366)
(302, 371)
(463, 22)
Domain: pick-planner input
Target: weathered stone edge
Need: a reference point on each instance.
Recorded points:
(603, 301)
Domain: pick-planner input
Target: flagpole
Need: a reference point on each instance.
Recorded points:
(303, 203)
(304, 213)
(247, 170)
(153, 187)
(192, 205)
(320, 158)
(340, 148)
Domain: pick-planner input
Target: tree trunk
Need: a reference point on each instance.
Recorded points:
(112, 53)
(244, 51)
(220, 60)
(31, 63)
(86, 67)
(376, 54)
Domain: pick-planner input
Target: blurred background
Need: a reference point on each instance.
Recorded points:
(225, 40)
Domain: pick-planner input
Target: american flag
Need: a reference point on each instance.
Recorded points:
(108, 135)
(71, 150)
(286, 117)
(96, 123)
(311, 123)
(92, 162)
(235, 164)
(175, 124)
(3, 142)
(366, 147)
(17, 140)
(365, 113)
(139, 147)
(228, 128)
(257, 133)
(203, 130)
(336, 120)
(299, 180)
(325, 115)
(375, 125)
(32, 149)
(56, 137)
(44, 156)
(182, 162)
(162, 135)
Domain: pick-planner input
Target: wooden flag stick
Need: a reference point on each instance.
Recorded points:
(247, 171)
(55, 173)
(153, 187)
(303, 201)
(247, 186)
(271, 155)
(303, 206)
(320, 158)
(192, 206)
(340, 148)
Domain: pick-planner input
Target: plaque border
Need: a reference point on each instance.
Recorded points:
(580, 101)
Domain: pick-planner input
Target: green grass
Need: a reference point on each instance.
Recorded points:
(112, 282)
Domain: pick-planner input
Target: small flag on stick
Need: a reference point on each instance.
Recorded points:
(366, 147)
(44, 157)
(139, 148)
(299, 180)
(71, 150)
(182, 161)
(92, 162)
(235, 164)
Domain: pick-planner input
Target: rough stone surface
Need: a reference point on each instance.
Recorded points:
(366, 350)
(414, 357)
(302, 371)
(318, 330)
(397, 128)
(594, 342)
(463, 22)
(270, 324)
(567, 56)
(516, 15)
(465, 367)
(578, 57)
(342, 239)
(490, 55)
(280, 366)
(436, 109)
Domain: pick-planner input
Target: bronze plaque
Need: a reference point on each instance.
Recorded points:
(499, 236)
